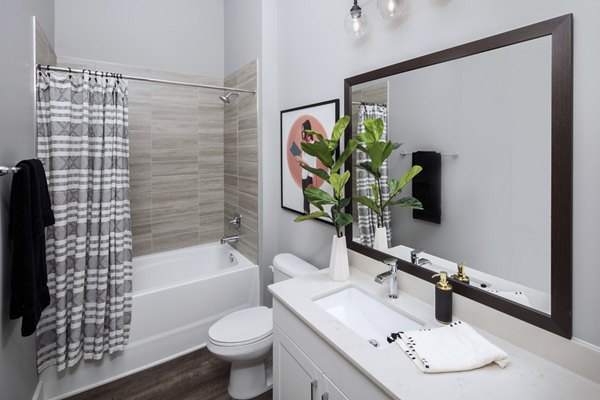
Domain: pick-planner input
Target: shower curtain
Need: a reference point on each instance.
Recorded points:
(367, 219)
(83, 142)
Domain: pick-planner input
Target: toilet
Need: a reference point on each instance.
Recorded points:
(245, 338)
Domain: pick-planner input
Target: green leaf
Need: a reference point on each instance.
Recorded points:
(379, 152)
(318, 197)
(396, 146)
(343, 203)
(339, 127)
(366, 165)
(407, 177)
(373, 130)
(409, 202)
(319, 150)
(338, 181)
(314, 215)
(315, 133)
(317, 171)
(344, 156)
(367, 201)
(343, 219)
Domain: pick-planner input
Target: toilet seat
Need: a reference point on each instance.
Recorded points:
(242, 327)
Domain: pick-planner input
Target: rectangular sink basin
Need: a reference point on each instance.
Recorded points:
(367, 317)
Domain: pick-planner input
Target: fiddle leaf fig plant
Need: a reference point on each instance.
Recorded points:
(325, 149)
(378, 151)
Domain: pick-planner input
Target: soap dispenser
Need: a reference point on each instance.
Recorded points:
(461, 276)
(443, 298)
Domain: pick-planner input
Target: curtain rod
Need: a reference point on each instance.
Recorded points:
(139, 78)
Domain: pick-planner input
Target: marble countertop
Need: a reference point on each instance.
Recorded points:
(527, 376)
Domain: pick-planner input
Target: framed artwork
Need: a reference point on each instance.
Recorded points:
(318, 117)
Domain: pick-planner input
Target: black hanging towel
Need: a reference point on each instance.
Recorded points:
(427, 185)
(30, 213)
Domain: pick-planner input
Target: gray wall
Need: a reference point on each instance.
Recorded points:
(177, 35)
(18, 377)
(494, 110)
(428, 27)
(242, 33)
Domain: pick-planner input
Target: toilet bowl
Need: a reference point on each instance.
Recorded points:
(245, 337)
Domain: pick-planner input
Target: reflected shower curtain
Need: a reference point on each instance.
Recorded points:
(83, 142)
(367, 219)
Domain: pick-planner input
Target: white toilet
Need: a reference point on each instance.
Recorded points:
(245, 337)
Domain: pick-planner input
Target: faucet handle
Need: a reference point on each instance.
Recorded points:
(414, 255)
(391, 262)
(236, 221)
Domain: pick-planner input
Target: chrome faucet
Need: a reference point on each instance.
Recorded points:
(230, 238)
(416, 259)
(236, 222)
(390, 275)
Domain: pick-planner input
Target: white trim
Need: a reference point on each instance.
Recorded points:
(39, 391)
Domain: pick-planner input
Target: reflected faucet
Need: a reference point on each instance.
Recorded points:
(416, 259)
(390, 275)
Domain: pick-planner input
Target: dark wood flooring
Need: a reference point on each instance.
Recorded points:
(195, 376)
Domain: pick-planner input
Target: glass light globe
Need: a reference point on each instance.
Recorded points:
(356, 24)
(391, 8)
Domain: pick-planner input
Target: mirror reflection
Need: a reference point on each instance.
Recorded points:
(480, 126)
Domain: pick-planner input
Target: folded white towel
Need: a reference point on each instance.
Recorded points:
(517, 296)
(456, 347)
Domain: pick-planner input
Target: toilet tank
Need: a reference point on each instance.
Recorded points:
(286, 266)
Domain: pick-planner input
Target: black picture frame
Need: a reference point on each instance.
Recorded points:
(321, 117)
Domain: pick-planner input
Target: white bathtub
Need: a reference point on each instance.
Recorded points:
(177, 296)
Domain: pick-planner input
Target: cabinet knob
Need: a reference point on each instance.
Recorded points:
(325, 396)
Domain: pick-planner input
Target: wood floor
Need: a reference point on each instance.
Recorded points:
(195, 376)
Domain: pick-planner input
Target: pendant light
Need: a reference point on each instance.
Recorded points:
(391, 8)
(356, 23)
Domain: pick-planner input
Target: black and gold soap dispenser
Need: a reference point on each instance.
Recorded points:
(443, 299)
(461, 276)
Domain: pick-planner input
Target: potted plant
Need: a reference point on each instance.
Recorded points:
(331, 206)
(378, 151)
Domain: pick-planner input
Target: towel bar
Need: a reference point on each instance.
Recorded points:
(453, 155)
(8, 170)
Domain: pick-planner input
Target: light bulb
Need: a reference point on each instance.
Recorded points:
(356, 23)
(391, 8)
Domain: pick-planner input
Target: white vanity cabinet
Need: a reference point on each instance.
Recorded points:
(305, 367)
(296, 377)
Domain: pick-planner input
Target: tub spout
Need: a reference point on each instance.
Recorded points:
(230, 238)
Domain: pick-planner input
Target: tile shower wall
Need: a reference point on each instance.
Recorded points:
(176, 158)
(241, 160)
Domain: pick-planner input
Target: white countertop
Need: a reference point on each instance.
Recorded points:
(527, 376)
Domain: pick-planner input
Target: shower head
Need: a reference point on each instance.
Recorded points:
(226, 99)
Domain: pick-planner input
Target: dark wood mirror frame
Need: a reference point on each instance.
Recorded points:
(560, 29)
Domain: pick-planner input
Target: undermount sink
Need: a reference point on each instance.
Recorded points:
(367, 317)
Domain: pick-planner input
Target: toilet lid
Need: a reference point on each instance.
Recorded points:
(248, 325)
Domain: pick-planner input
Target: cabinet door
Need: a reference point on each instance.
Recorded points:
(295, 377)
(329, 391)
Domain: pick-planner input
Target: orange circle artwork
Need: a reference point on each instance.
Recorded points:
(294, 152)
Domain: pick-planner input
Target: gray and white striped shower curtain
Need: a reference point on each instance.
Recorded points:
(83, 142)
(367, 219)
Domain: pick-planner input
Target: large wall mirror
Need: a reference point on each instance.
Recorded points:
(490, 122)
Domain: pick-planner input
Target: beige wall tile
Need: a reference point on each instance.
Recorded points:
(141, 246)
(248, 138)
(171, 242)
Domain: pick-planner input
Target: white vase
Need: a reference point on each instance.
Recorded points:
(339, 270)
(380, 242)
